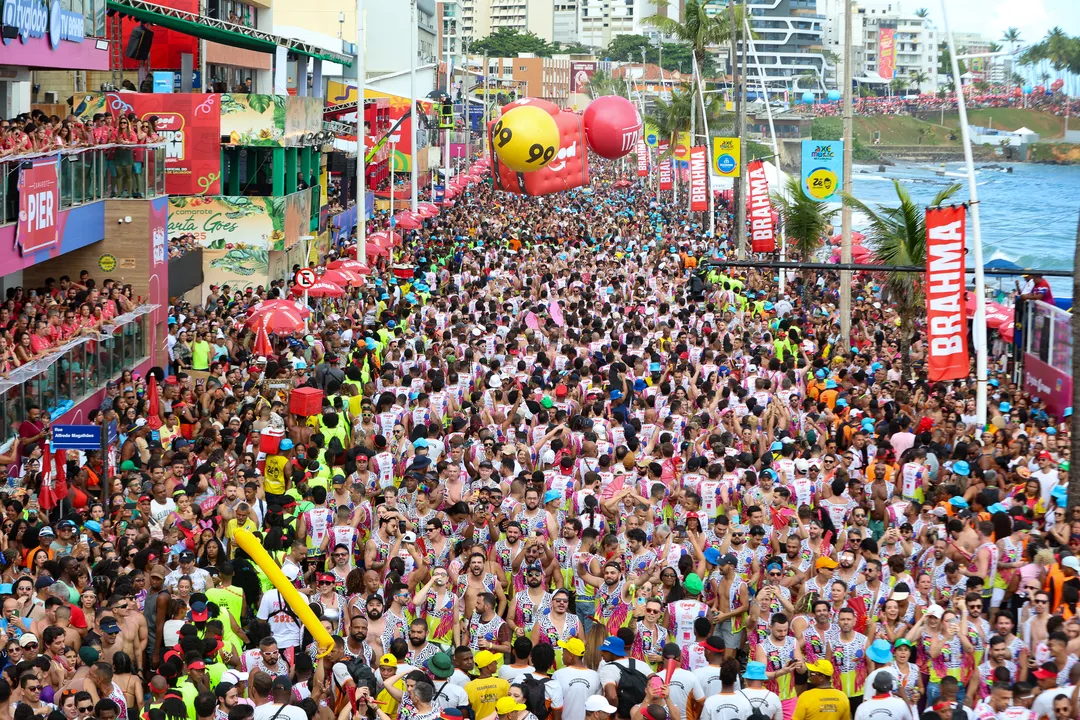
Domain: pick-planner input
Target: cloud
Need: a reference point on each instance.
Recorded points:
(990, 17)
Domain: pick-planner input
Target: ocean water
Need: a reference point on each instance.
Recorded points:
(1028, 216)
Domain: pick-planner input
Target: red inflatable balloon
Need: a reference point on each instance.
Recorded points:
(612, 126)
(1057, 84)
(569, 169)
(549, 107)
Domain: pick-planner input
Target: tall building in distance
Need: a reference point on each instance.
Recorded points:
(480, 18)
(888, 42)
(790, 49)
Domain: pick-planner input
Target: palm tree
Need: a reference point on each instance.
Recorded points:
(918, 78)
(806, 220)
(670, 119)
(922, 13)
(602, 83)
(897, 236)
(1011, 36)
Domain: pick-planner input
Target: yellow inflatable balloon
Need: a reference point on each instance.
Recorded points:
(525, 139)
(292, 597)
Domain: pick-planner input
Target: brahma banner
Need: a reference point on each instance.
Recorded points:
(887, 53)
(664, 167)
(39, 206)
(763, 237)
(946, 325)
(699, 179)
(642, 152)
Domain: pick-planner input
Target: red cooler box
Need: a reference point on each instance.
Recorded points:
(270, 440)
(306, 401)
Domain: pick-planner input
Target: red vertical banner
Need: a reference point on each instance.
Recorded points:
(946, 325)
(699, 179)
(39, 207)
(664, 167)
(763, 236)
(887, 53)
(642, 152)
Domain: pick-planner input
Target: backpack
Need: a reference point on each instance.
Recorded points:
(755, 710)
(631, 687)
(362, 674)
(536, 695)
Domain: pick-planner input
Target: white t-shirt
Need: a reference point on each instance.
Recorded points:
(577, 685)
(1044, 703)
(610, 673)
(286, 712)
(448, 695)
(886, 708)
(682, 686)
(709, 679)
(732, 706)
(868, 686)
(283, 626)
(511, 674)
(765, 700)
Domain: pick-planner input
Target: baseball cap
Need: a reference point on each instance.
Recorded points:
(281, 682)
(110, 626)
(199, 612)
(187, 556)
(598, 703)
(935, 610)
(388, 660)
(712, 556)
(1046, 671)
(614, 645)
(883, 681)
(485, 658)
(234, 676)
(693, 584)
(821, 667)
(197, 665)
(507, 704)
(826, 562)
(1071, 562)
(27, 639)
(574, 646)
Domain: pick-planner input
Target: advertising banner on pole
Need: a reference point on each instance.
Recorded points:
(946, 320)
(642, 152)
(699, 179)
(664, 167)
(39, 207)
(887, 52)
(822, 168)
(725, 156)
(763, 235)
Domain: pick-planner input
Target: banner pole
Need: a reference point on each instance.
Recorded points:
(979, 328)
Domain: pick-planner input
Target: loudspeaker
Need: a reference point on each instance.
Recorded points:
(336, 162)
(138, 47)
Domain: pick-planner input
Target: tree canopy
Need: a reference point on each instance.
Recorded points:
(676, 56)
(509, 42)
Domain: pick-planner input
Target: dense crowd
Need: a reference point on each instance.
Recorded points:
(566, 467)
(36, 322)
(930, 102)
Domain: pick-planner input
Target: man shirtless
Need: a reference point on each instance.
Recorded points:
(132, 628)
(111, 641)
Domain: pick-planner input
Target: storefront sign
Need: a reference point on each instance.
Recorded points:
(946, 324)
(761, 222)
(36, 19)
(699, 180)
(39, 205)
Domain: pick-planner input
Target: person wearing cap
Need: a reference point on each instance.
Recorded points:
(883, 704)
(683, 613)
(733, 601)
(577, 683)
(486, 689)
(200, 578)
(683, 689)
(598, 708)
(448, 695)
(821, 701)
(530, 603)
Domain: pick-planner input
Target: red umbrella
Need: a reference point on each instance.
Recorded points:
(319, 289)
(427, 209)
(386, 239)
(153, 411)
(408, 220)
(378, 251)
(354, 266)
(856, 238)
(283, 319)
(343, 277)
(262, 344)
(269, 305)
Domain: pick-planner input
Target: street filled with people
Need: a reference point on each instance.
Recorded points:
(552, 460)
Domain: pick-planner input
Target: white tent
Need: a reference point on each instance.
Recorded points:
(777, 180)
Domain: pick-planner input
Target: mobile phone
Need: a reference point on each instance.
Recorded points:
(401, 526)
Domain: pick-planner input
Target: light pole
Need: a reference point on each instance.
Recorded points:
(979, 329)
(415, 116)
(361, 149)
(845, 212)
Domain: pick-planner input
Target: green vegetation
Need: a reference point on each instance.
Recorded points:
(1047, 125)
(676, 56)
(833, 129)
(507, 43)
(1064, 153)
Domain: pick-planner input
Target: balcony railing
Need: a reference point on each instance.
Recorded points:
(74, 371)
(90, 174)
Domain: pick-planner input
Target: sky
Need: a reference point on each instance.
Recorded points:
(990, 17)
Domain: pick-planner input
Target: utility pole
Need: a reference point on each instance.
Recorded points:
(483, 130)
(449, 82)
(415, 116)
(740, 128)
(845, 213)
(361, 150)
(465, 101)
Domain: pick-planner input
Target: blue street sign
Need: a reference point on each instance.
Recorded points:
(114, 433)
(76, 437)
(437, 193)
